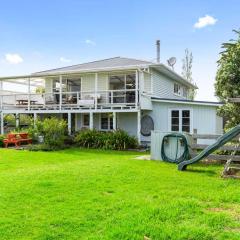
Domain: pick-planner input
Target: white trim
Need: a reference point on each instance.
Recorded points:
(188, 103)
(180, 109)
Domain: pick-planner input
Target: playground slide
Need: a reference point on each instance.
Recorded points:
(210, 149)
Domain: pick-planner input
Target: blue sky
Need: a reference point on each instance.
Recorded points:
(38, 35)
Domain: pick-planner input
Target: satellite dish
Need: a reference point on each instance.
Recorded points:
(171, 62)
(147, 125)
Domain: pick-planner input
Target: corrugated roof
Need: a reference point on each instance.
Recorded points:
(109, 63)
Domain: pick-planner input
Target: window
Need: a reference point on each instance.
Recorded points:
(175, 121)
(180, 120)
(86, 120)
(106, 121)
(185, 92)
(124, 82)
(177, 89)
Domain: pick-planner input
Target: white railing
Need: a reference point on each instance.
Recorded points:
(83, 99)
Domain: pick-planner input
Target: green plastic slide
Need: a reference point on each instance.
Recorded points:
(210, 149)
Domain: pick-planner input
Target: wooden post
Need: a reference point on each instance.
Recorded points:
(91, 120)
(69, 124)
(139, 126)
(34, 119)
(17, 116)
(114, 121)
(2, 123)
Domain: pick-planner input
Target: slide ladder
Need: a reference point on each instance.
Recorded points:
(210, 149)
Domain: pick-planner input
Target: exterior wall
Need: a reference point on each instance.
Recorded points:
(163, 86)
(125, 121)
(147, 84)
(204, 118)
(88, 82)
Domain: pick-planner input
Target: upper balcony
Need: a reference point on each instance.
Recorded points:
(111, 99)
(70, 92)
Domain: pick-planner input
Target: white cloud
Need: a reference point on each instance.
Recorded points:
(90, 42)
(65, 60)
(13, 58)
(205, 21)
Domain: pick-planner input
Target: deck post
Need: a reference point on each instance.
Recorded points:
(17, 116)
(60, 92)
(139, 126)
(2, 123)
(91, 120)
(34, 119)
(69, 123)
(114, 121)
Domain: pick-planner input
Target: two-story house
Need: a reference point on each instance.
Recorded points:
(134, 95)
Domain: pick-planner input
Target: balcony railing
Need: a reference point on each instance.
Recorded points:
(66, 100)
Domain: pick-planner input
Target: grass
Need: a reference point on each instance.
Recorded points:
(89, 194)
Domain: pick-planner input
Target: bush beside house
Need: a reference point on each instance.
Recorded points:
(115, 140)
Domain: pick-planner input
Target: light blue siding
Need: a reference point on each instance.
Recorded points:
(163, 86)
(204, 118)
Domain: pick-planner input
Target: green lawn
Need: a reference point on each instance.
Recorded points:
(86, 194)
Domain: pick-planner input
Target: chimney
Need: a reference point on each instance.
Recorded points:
(158, 50)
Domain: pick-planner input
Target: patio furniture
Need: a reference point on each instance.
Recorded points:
(25, 102)
(17, 139)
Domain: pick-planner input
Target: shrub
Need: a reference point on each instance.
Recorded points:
(52, 129)
(54, 132)
(116, 140)
(1, 140)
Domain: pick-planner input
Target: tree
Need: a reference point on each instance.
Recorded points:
(187, 71)
(227, 83)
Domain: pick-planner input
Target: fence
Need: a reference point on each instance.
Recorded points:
(196, 147)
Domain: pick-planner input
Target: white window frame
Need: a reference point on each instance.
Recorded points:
(179, 89)
(109, 123)
(180, 118)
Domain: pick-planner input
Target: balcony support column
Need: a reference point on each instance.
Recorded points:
(34, 119)
(2, 123)
(114, 121)
(17, 117)
(91, 120)
(139, 126)
(69, 124)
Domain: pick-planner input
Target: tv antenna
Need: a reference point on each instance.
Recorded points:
(171, 62)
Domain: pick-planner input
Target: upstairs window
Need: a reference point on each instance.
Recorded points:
(177, 89)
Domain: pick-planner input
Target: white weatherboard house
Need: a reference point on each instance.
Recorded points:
(124, 93)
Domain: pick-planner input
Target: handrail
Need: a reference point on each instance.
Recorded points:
(102, 91)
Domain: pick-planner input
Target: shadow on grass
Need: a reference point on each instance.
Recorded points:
(205, 171)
